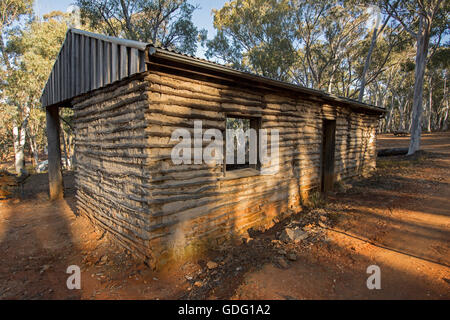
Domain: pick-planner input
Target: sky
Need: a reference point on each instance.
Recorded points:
(202, 17)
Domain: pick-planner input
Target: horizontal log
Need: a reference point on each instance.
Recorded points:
(392, 152)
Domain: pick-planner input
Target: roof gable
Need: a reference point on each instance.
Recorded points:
(88, 61)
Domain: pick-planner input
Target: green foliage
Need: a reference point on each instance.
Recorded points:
(35, 48)
(31, 50)
(167, 23)
(324, 45)
(13, 10)
(314, 44)
(254, 35)
(318, 44)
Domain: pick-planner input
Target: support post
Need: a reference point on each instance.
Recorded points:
(55, 180)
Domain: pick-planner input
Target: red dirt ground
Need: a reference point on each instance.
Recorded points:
(398, 219)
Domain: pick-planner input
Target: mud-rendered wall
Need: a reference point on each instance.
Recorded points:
(128, 184)
(111, 158)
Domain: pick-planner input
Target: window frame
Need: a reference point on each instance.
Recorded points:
(251, 169)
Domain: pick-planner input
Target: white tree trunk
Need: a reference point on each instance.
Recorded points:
(402, 110)
(20, 135)
(445, 123)
(430, 105)
(419, 72)
(19, 146)
(367, 64)
(66, 154)
(33, 148)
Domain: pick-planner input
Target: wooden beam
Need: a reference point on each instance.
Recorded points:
(55, 180)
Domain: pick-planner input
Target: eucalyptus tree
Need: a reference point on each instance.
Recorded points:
(256, 36)
(318, 44)
(163, 22)
(377, 28)
(12, 13)
(426, 21)
(436, 89)
(34, 47)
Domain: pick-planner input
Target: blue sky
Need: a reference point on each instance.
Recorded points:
(202, 18)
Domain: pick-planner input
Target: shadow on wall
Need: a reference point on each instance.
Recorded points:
(223, 210)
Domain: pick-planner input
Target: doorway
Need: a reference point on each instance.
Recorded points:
(328, 148)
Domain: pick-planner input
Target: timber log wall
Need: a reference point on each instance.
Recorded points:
(127, 184)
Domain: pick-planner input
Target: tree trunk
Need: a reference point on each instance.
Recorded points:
(330, 83)
(33, 149)
(33, 145)
(66, 154)
(19, 143)
(402, 111)
(367, 64)
(445, 124)
(430, 105)
(390, 116)
(419, 72)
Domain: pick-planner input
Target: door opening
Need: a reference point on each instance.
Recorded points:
(328, 148)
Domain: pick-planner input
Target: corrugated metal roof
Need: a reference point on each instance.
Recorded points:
(88, 61)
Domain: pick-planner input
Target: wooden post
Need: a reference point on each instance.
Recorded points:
(55, 180)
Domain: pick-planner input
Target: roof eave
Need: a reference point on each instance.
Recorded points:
(185, 59)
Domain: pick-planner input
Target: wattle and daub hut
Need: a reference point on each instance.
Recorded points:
(128, 100)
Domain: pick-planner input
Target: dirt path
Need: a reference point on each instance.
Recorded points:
(399, 220)
(40, 239)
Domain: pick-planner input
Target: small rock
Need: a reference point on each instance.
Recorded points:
(212, 265)
(322, 225)
(292, 257)
(276, 242)
(198, 283)
(189, 278)
(282, 262)
(295, 235)
(247, 240)
(44, 268)
(323, 218)
(282, 252)
(102, 260)
(320, 211)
